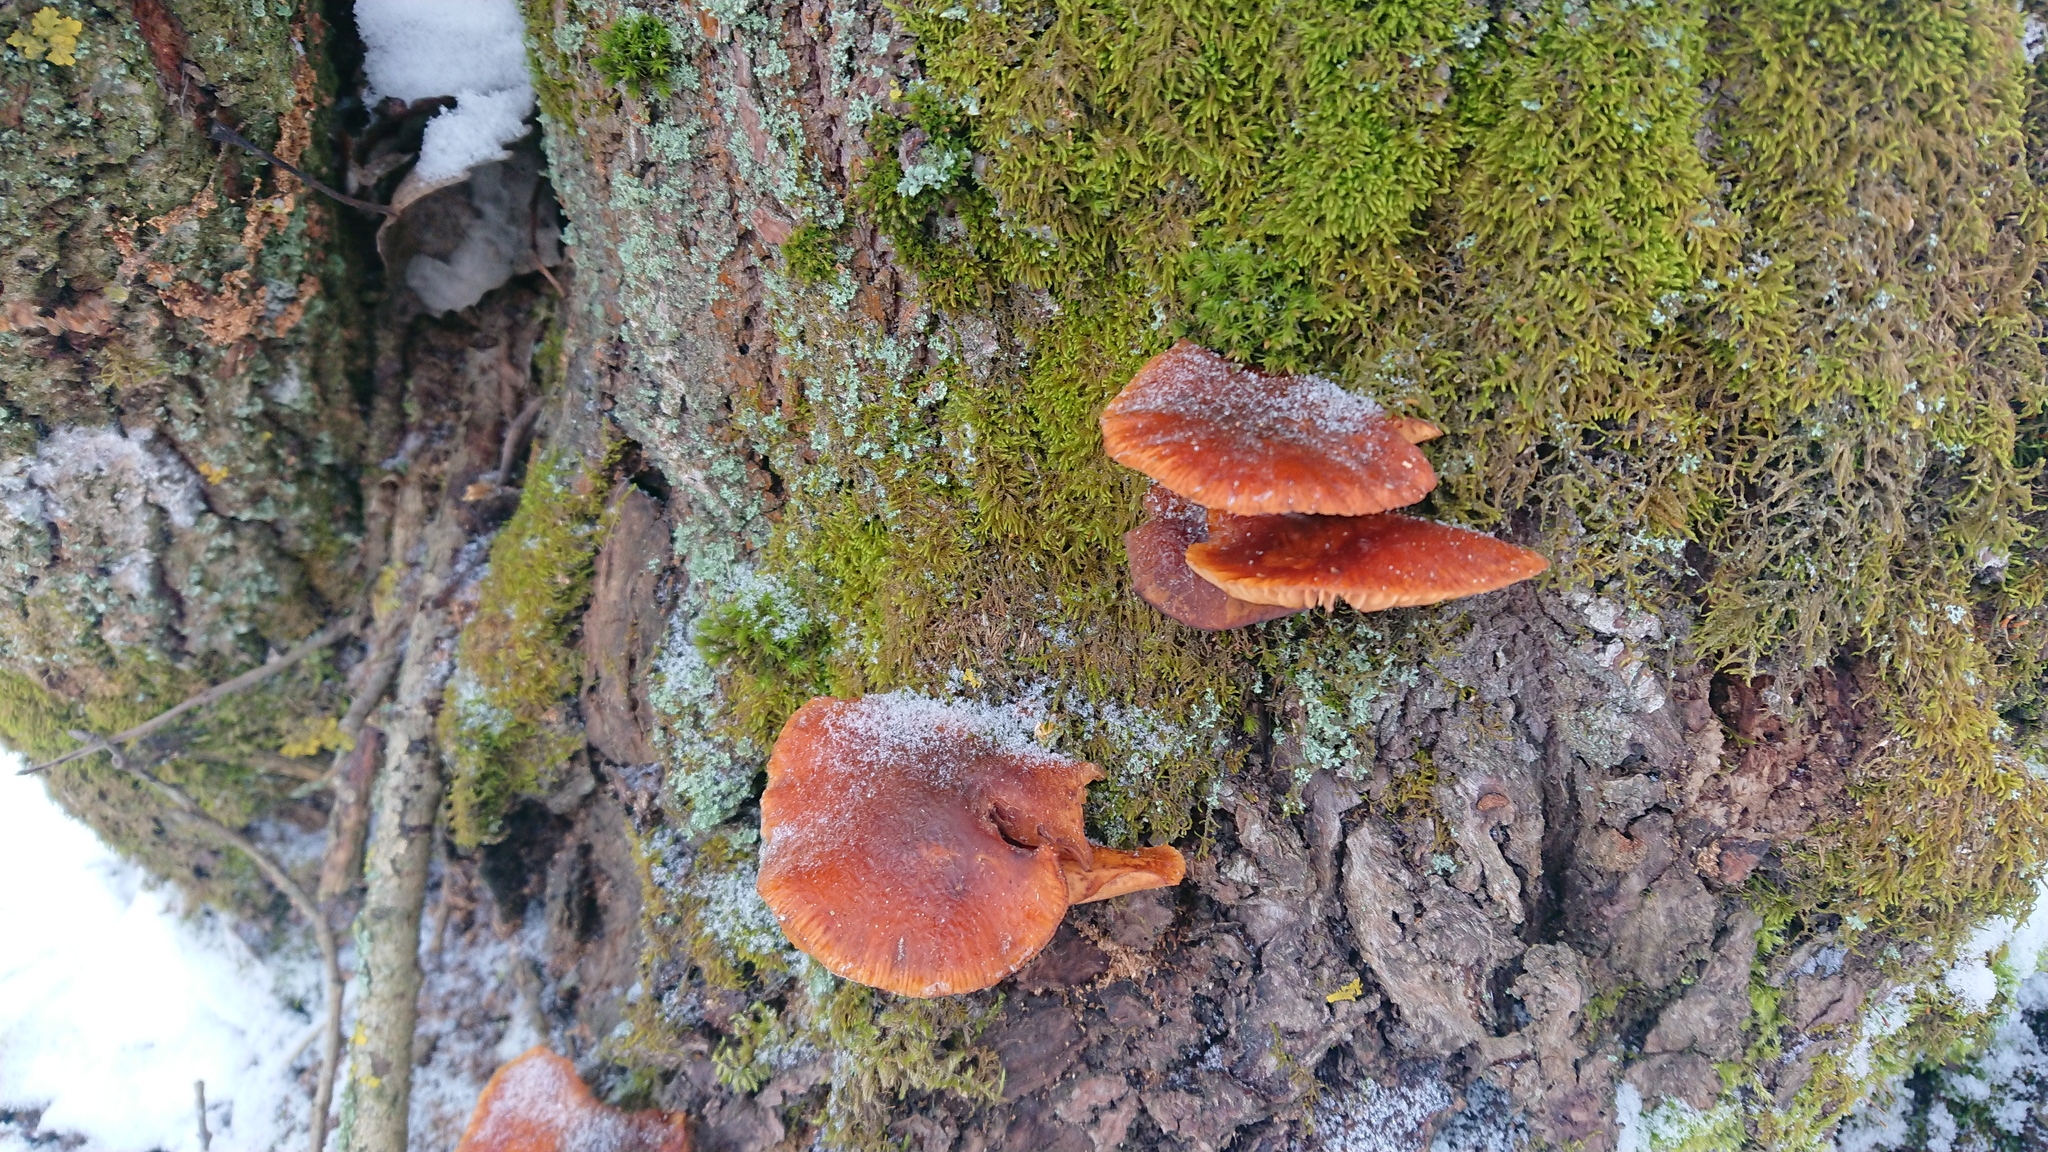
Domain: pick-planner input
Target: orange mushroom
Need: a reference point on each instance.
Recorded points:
(1158, 551)
(1239, 440)
(928, 848)
(1369, 562)
(537, 1103)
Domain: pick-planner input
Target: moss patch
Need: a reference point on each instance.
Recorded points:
(1790, 324)
(506, 726)
(638, 53)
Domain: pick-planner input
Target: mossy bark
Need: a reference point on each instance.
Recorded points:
(1733, 310)
(179, 362)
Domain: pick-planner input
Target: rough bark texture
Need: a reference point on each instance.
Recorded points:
(815, 414)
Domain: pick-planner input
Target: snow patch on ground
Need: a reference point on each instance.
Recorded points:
(113, 1001)
(473, 50)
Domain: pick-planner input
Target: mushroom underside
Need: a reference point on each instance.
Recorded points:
(1370, 562)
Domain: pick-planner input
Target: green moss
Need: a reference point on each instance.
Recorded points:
(919, 190)
(639, 53)
(777, 657)
(888, 1047)
(549, 63)
(812, 254)
(505, 727)
(892, 1047)
(1286, 152)
(1013, 583)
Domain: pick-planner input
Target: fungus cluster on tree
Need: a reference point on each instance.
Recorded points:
(910, 845)
(1273, 494)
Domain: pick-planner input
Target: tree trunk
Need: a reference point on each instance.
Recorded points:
(1731, 311)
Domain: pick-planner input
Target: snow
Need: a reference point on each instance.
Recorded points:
(1972, 979)
(113, 1001)
(473, 50)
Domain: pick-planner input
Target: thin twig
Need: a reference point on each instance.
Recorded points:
(221, 691)
(223, 134)
(301, 901)
(199, 1093)
(515, 439)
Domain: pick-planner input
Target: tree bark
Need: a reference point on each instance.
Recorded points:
(1732, 309)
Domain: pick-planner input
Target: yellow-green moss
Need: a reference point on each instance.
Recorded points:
(892, 1047)
(505, 727)
(637, 53)
(812, 254)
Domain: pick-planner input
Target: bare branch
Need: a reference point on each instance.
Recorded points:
(223, 134)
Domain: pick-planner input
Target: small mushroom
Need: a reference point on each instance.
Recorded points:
(1158, 551)
(1369, 562)
(537, 1103)
(1239, 440)
(928, 848)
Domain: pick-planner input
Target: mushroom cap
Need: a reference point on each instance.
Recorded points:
(918, 846)
(537, 1103)
(1370, 562)
(1232, 438)
(1158, 551)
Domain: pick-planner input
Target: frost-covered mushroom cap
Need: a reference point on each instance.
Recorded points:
(1369, 562)
(928, 848)
(1235, 439)
(537, 1103)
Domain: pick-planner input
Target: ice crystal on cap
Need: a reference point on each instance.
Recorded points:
(1229, 437)
(929, 848)
(1369, 562)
